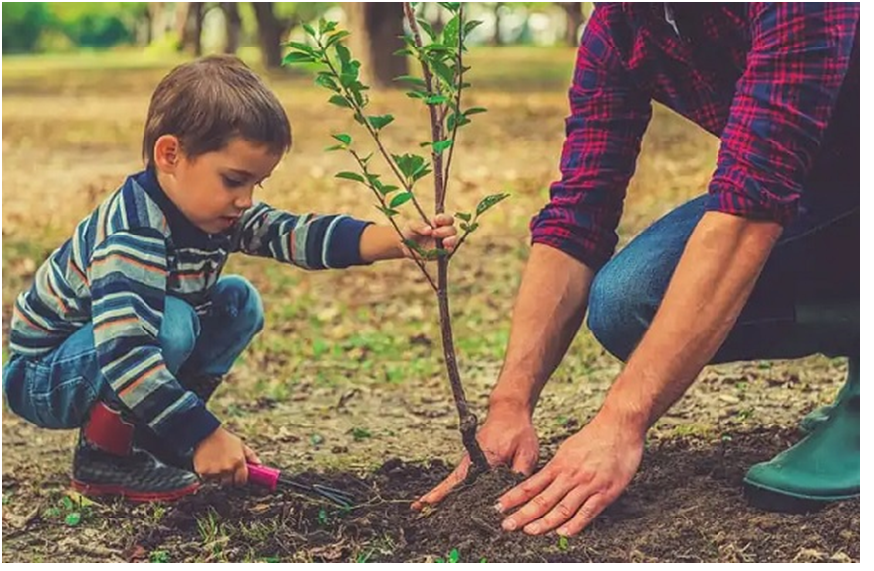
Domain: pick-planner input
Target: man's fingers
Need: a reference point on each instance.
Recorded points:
(564, 510)
(525, 491)
(443, 488)
(584, 516)
(539, 504)
(524, 462)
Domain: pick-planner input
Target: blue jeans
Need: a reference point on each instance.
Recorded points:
(815, 263)
(57, 390)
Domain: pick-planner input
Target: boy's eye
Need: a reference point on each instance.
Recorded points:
(231, 182)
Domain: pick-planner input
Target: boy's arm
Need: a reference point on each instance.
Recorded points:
(309, 241)
(127, 275)
(380, 243)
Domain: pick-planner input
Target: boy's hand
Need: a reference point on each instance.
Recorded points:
(442, 226)
(222, 456)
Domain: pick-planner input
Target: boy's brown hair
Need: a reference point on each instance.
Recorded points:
(210, 101)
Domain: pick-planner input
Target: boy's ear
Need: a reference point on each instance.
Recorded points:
(168, 152)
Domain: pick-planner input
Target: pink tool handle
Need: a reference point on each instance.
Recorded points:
(263, 476)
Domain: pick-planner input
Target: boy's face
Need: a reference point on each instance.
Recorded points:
(213, 189)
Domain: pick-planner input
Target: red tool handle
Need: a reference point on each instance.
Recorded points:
(263, 476)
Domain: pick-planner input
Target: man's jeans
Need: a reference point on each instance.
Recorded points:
(815, 264)
(57, 390)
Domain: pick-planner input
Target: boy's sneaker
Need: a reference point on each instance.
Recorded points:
(106, 464)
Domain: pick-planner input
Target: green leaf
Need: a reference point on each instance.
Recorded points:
(73, 519)
(350, 176)
(326, 26)
(343, 138)
(423, 23)
(340, 101)
(388, 189)
(453, 556)
(440, 146)
(417, 94)
(410, 164)
(344, 55)
(450, 32)
(310, 30)
(326, 80)
(387, 211)
(422, 172)
(413, 80)
(335, 148)
(470, 26)
(336, 38)
(563, 543)
(475, 110)
(451, 6)
(436, 100)
(380, 121)
(323, 517)
(400, 199)
(463, 216)
(302, 47)
(469, 228)
(359, 434)
(444, 72)
(297, 57)
(415, 246)
(489, 201)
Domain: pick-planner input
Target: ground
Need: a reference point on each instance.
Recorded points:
(346, 382)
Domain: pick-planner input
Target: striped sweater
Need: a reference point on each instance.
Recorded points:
(121, 263)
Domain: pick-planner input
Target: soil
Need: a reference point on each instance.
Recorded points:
(685, 504)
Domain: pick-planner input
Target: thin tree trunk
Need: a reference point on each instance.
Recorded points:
(232, 27)
(575, 19)
(270, 31)
(379, 28)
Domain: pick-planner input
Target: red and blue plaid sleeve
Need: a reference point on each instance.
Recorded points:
(799, 55)
(608, 118)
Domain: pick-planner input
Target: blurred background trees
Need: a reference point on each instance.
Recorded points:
(197, 28)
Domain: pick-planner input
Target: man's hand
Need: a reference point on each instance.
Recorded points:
(506, 437)
(222, 456)
(443, 226)
(589, 471)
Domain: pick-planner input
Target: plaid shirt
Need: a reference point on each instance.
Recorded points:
(778, 83)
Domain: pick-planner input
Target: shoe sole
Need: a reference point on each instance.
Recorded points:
(772, 499)
(98, 490)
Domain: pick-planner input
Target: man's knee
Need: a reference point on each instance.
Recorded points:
(179, 332)
(620, 310)
(242, 302)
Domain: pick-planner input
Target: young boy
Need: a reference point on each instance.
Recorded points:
(129, 328)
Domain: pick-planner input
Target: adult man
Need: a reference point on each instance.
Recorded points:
(763, 266)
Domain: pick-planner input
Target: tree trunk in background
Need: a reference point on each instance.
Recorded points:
(575, 19)
(270, 32)
(189, 26)
(232, 26)
(496, 40)
(377, 30)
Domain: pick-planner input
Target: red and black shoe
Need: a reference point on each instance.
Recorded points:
(106, 464)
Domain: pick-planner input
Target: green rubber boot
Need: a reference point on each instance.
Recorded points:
(833, 328)
(818, 416)
(823, 467)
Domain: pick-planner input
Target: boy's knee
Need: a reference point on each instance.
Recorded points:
(179, 332)
(619, 310)
(242, 302)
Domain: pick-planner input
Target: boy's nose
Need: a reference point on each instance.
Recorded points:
(244, 202)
